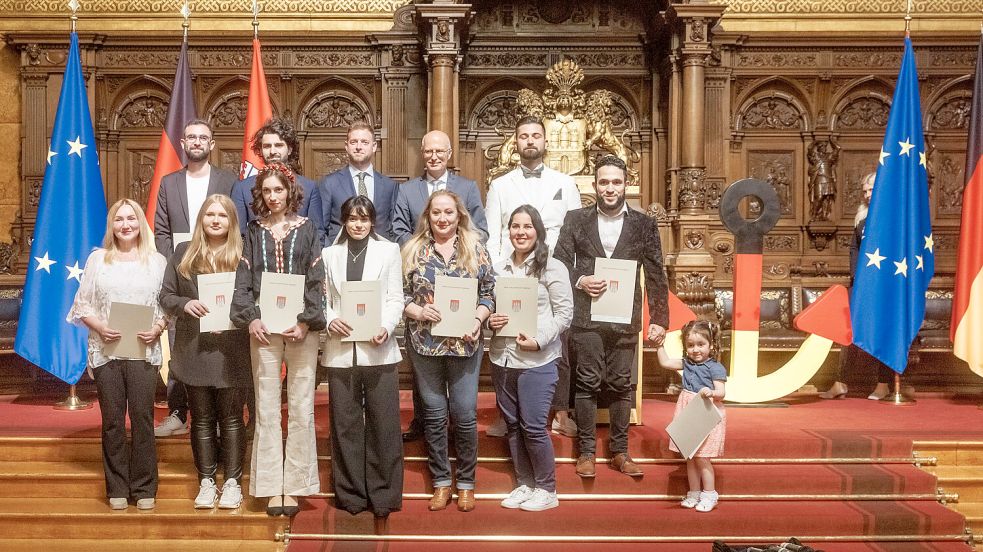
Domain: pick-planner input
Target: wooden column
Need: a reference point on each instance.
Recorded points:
(443, 24)
(442, 113)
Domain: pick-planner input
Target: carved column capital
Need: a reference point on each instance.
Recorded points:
(443, 24)
(692, 190)
(443, 60)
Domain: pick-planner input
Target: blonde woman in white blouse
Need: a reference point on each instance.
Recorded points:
(127, 269)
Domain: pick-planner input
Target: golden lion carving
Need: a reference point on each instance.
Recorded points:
(601, 135)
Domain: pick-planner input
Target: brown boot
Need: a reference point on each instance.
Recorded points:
(441, 496)
(585, 466)
(465, 500)
(623, 463)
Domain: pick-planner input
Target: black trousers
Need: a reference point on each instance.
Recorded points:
(562, 396)
(211, 406)
(128, 385)
(366, 447)
(604, 360)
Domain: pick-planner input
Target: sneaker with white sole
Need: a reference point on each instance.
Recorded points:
(540, 500)
(708, 501)
(691, 500)
(497, 429)
(146, 504)
(207, 494)
(518, 495)
(171, 425)
(118, 503)
(567, 428)
(231, 495)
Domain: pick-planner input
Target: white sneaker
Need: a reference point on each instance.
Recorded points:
(146, 504)
(540, 500)
(171, 425)
(518, 495)
(207, 494)
(708, 501)
(568, 428)
(231, 495)
(497, 429)
(118, 503)
(691, 500)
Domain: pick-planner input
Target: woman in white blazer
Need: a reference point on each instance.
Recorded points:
(363, 385)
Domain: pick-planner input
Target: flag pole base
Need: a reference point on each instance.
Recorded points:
(897, 398)
(72, 402)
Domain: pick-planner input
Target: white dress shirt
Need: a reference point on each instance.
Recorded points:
(436, 184)
(369, 181)
(609, 229)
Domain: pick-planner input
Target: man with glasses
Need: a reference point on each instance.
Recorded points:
(357, 178)
(180, 198)
(410, 203)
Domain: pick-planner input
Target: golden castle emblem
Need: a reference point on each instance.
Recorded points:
(578, 127)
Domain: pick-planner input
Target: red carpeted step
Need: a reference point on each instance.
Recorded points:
(398, 546)
(593, 518)
(732, 479)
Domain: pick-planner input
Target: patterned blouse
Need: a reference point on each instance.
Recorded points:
(418, 287)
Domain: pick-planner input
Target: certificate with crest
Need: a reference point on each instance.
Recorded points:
(361, 307)
(128, 319)
(616, 303)
(456, 299)
(215, 292)
(693, 425)
(517, 297)
(281, 299)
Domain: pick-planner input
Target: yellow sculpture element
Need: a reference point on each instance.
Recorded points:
(578, 127)
(744, 385)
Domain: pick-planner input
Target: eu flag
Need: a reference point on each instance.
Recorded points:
(71, 221)
(896, 260)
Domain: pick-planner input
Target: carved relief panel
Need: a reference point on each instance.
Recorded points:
(778, 168)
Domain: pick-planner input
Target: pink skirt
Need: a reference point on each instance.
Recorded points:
(714, 445)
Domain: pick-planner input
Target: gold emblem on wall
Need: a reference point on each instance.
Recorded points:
(578, 128)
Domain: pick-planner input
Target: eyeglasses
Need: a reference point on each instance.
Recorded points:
(198, 138)
(438, 152)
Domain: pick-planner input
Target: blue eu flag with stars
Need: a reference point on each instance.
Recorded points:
(71, 221)
(896, 260)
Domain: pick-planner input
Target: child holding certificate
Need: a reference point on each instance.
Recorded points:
(703, 378)
(127, 271)
(361, 354)
(524, 367)
(278, 244)
(214, 366)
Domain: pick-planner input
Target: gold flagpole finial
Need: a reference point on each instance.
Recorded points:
(255, 19)
(74, 6)
(186, 14)
(907, 19)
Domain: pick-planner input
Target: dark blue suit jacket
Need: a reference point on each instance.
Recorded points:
(242, 197)
(338, 186)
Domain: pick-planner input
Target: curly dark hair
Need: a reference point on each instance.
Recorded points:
(295, 193)
(610, 161)
(285, 130)
(709, 331)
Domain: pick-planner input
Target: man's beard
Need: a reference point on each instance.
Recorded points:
(531, 154)
(199, 155)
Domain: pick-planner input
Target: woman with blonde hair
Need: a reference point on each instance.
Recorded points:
(446, 368)
(126, 269)
(214, 366)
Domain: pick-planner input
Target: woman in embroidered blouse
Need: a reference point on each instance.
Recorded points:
(127, 269)
(446, 243)
(280, 241)
(213, 365)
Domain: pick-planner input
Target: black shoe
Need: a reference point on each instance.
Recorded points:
(414, 432)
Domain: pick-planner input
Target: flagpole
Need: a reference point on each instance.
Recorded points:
(72, 401)
(186, 13)
(907, 19)
(255, 19)
(74, 6)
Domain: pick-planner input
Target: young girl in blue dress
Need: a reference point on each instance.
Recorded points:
(703, 378)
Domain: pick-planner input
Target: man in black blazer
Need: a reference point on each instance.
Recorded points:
(180, 198)
(358, 177)
(605, 351)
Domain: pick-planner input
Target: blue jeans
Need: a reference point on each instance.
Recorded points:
(449, 382)
(524, 397)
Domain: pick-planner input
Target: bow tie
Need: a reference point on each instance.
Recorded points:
(538, 173)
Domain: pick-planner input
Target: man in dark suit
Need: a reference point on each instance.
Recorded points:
(277, 141)
(412, 199)
(358, 177)
(605, 351)
(178, 202)
(413, 195)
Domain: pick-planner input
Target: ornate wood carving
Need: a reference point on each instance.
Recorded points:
(865, 113)
(948, 179)
(775, 168)
(334, 110)
(772, 113)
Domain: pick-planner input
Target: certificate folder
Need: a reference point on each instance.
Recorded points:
(128, 319)
(693, 425)
(281, 299)
(456, 299)
(616, 303)
(215, 292)
(361, 307)
(517, 297)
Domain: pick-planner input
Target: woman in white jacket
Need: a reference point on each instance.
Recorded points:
(363, 385)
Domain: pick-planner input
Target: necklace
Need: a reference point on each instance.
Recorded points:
(355, 256)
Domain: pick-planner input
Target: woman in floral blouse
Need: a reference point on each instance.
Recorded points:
(447, 368)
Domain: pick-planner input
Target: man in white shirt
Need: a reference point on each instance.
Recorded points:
(552, 193)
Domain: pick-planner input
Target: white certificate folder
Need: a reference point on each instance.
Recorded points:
(361, 307)
(616, 303)
(215, 292)
(456, 299)
(693, 425)
(517, 298)
(128, 319)
(281, 299)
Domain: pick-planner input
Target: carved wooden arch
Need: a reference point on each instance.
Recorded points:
(332, 110)
(872, 89)
(947, 109)
(775, 115)
(493, 111)
(226, 107)
(479, 98)
(776, 85)
(140, 110)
